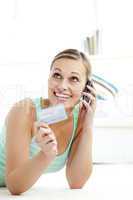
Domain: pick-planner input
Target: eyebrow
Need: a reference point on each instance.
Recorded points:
(71, 72)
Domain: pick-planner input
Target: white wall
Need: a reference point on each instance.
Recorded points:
(31, 32)
(115, 20)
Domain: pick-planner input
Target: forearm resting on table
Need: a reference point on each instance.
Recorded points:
(23, 177)
(80, 166)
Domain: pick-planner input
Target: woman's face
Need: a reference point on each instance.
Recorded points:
(66, 82)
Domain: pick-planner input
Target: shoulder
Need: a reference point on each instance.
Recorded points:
(22, 109)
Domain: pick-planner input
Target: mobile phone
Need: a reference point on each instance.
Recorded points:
(89, 82)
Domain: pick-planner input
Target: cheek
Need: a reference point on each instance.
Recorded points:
(51, 84)
(78, 92)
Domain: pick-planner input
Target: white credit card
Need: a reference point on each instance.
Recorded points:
(53, 114)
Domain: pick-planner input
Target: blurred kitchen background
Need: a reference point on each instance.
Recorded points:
(33, 31)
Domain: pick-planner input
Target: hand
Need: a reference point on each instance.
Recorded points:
(45, 138)
(87, 109)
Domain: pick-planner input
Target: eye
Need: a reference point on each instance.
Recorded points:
(75, 79)
(57, 75)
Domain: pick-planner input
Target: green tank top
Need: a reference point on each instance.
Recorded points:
(60, 160)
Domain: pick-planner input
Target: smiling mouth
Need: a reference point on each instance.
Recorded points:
(63, 97)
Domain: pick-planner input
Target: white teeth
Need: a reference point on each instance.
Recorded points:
(62, 95)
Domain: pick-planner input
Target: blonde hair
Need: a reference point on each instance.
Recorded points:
(75, 55)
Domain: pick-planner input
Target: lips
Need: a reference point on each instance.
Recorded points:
(62, 96)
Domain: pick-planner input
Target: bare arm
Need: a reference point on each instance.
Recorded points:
(79, 165)
(21, 172)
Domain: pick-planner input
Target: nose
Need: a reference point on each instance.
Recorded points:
(64, 85)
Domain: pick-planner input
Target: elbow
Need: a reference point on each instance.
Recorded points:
(76, 186)
(13, 191)
(14, 188)
(79, 181)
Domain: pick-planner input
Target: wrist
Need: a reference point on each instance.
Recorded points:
(88, 129)
(88, 125)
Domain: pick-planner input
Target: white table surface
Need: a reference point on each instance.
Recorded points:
(107, 182)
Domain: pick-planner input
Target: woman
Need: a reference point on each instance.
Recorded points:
(66, 142)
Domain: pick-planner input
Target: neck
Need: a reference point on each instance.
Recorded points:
(69, 113)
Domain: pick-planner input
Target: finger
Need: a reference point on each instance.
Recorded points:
(41, 136)
(46, 138)
(48, 145)
(85, 104)
(89, 95)
(80, 105)
(45, 142)
(45, 131)
(51, 147)
(91, 104)
(37, 126)
(41, 124)
(49, 139)
(93, 90)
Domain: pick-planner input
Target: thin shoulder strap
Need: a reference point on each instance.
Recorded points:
(37, 102)
(75, 122)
